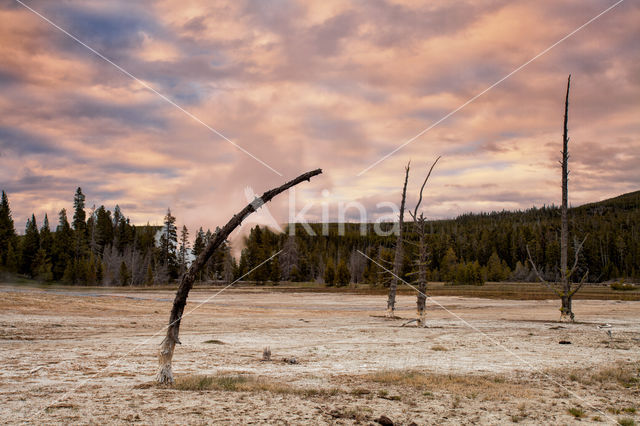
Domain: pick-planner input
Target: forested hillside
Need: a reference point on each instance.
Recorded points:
(103, 247)
(468, 249)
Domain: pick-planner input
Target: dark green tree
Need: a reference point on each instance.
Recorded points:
(7, 230)
(448, 266)
(199, 243)
(30, 247)
(343, 276)
(104, 229)
(62, 247)
(43, 263)
(169, 244)
(46, 237)
(79, 225)
(183, 252)
(497, 269)
(329, 273)
(275, 272)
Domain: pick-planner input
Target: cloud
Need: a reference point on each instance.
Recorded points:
(327, 84)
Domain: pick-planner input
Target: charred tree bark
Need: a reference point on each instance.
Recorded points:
(397, 260)
(565, 312)
(165, 374)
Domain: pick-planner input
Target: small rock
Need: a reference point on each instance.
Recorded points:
(384, 421)
(564, 342)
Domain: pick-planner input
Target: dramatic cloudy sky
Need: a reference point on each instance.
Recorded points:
(301, 85)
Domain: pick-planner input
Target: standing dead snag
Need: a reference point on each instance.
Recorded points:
(397, 260)
(567, 290)
(165, 375)
(419, 223)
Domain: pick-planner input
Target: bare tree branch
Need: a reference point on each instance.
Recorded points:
(542, 280)
(575, 261)
(168, 344)
(415, 211)
(582, 281)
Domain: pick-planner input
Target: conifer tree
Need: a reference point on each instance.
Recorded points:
(12, 259)
(7, 230)
(104, 229)
(184, 248)
(44, 266)
(329, 273)
(275, 270)
(168, 245)
(199, 243)
(198, 247)
(30, 247)
(46, 237)
(448, 266)
(79, 224)
(62, 246)
(343, 277)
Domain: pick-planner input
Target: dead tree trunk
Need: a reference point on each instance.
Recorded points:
(567, 290)
(423, 258)
(165, 375)
(420, 223)
(397, 260)
(565, 312)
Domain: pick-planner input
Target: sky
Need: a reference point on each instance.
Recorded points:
(156, 122)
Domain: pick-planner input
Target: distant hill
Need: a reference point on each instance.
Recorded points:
(611, 250)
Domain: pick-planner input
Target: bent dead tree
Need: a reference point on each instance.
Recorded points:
(567, 288)
(422, 263)
(399, 252)
(165, 375)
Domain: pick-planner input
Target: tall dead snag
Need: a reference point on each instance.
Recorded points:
(165, 375)
(422, 263)
(397, 260)
(567, 289)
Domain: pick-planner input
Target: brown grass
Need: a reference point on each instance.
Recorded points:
(489, 387)
(246, 383)
(438, 348)
(625, 374)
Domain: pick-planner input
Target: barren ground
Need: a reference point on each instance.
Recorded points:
(89, 356)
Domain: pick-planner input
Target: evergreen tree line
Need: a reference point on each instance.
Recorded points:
(105, 248)
(470, 249)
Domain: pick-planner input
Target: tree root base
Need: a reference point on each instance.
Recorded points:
(165, 375)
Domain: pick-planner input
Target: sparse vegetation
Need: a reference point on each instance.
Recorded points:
(623, 374)
(626, 421)
(622, 286)
(246, 383)
(490, 387)
(576, 412)
(214, 342)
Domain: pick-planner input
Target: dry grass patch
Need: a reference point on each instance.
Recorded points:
(246, 383)
(489, 387)
(625, 374)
